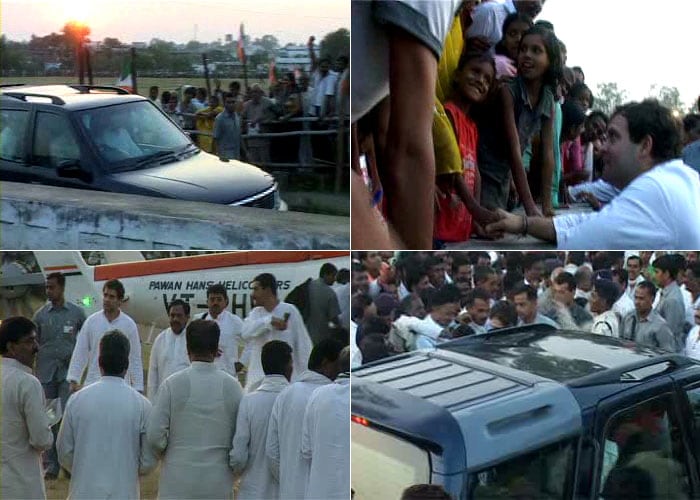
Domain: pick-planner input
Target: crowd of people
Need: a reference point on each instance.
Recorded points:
(256, 405)
(480, 114)
(225, 122)
(417, 300)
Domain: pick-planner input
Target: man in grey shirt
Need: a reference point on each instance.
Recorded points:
(227, 130)
(58, 323)
(671, 307)
(644, 325)
(323, 304)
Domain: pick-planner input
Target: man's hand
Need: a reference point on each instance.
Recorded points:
(75, 387)
(278, 324)
(509, 223)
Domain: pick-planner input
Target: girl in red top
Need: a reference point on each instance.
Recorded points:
(459, 194)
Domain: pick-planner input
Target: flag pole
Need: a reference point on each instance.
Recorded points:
(88, 63)
(133, 69)
(206, 73)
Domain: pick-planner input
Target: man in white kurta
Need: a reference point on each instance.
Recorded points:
(169, 351)
(194, 420)
(230, 326)
(283, 447)
(86, 346)
(102, 440)
(25, 426)
(247, 457)
(272, 320)
(325, 437)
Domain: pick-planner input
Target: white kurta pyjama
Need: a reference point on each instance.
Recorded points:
(258, 330)
(283, 448)
(325, 441)
(230, 327)
(192, 426)
(102, 440)
(87, 349)
(25, 432)
(168, 355)
(248, 454)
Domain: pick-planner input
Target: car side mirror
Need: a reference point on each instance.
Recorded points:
(70, 169)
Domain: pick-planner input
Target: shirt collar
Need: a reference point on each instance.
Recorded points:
(52, 307)
(542, 106)
(273, 383)
(13, 363)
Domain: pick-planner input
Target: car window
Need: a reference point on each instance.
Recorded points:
(544, 473)
(694, 401)
(54, 141)
(643, 454)
(130, 131)
(14, 126)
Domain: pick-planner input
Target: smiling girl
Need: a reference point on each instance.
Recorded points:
(523, 108)
(459, 193)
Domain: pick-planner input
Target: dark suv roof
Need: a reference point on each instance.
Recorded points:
(73, 97)
(561, 355)
(520, 387)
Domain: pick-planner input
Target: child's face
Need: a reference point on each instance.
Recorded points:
(512, 37)
(475, 79)
(584, 99)
(533, 61)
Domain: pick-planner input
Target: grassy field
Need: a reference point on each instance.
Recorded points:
(143, 83)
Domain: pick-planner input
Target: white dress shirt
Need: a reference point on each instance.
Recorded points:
(325, 439)
(623, 306)
(248, 454)
(659, 209)
(258, 330)
(168, 355)
(230, 326)
(692, 343)
(87, 349)
(607, 324)
(192, 427)
(25, 432)
(102, 440)
(283, 447)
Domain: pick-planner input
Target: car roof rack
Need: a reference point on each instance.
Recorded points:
(635, 372)
(85, 89)
(23, 97)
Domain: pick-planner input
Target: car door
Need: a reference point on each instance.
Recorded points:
(15, 123)
(688, 387)
(642, 444)
(55, 144)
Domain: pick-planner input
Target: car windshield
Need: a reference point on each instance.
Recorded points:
(129, 135)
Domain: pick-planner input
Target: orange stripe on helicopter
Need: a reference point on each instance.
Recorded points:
(212, 261)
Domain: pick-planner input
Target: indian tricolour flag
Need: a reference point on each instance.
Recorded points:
(126, 78)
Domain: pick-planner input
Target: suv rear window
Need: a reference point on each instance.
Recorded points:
(544, 473)
(384, 465)
(14, 128)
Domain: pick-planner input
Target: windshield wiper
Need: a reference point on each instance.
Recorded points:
(152, 158)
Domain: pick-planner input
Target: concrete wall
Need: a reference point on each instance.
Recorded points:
(36, 217)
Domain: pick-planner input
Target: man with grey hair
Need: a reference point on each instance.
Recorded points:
(256, 112)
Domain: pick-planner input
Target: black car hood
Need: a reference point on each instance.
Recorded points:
(202, 177)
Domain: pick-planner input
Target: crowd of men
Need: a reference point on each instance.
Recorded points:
(283, 433)
(479, 114)
(219, 119)
(415, 300)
